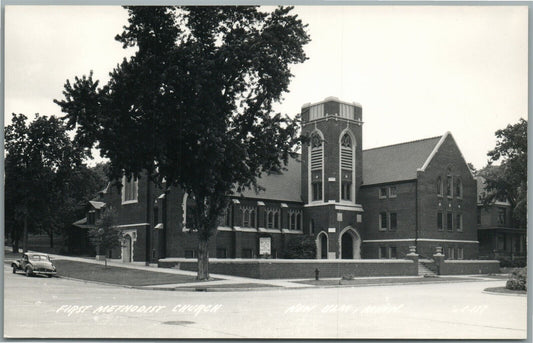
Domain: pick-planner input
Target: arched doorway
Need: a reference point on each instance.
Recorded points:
(349, 244)
(126, 249)
(322, 246)
(347, 247)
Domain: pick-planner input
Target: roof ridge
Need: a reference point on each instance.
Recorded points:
(414, 141)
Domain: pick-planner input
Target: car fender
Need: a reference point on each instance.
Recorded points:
(15, 264)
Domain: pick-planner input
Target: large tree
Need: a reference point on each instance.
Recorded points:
(41, 160)
(509, 179)
(194, 106)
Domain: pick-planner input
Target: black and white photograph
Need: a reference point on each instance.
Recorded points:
(265, 172)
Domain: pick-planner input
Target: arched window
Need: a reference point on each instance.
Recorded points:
(346, 141)
(449, 184)
(316, 165)
(346, 166)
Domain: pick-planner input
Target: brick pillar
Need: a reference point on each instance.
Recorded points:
(438, 257)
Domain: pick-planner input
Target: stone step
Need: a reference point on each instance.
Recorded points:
(424, 270)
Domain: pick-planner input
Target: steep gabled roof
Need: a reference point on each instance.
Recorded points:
(97, 204)
(283, 187)
(398, 162)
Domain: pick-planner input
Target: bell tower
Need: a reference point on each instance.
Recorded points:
(331, 175)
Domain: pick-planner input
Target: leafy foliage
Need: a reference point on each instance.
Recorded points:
(301, 247)
(194, 106)
(46, 181)
(104, 236)
(509, 180)
(517, 280)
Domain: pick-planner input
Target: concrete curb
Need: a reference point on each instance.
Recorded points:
(506, 294)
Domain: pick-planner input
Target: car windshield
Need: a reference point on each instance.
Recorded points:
(39, 258)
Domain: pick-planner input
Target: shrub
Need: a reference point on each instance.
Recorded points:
(519, 263)
(301, 247)
(517, 280)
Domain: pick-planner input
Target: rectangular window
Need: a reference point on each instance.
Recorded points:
(393, 221)
(501, 215)
(346, 190)
(227, 217)
(383, 252)
(383, 192)
(439, 221)
(459, 253)
(501, 242)
(317, 191)
(91, 218)
(245, 218)
(459, 222)
(246, 253)
(392, 192)
(458, 188)
(450, 254)
(392, 252)
(449, 221)
(383, 221)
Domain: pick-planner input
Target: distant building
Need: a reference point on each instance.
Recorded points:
(355, 203)
(498, 238)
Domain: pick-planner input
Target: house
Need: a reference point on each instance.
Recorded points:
(355, 203)
(498, 237)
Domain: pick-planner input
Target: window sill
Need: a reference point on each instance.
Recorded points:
(127, 202)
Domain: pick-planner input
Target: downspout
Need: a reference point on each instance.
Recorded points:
(416, 216)
(148, 221)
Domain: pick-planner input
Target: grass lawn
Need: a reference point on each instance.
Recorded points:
(381, 281)
(117, 275)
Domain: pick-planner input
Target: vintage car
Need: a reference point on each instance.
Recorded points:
(34, 264)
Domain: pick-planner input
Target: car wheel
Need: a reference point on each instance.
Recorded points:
(29, 271)
(14, 269)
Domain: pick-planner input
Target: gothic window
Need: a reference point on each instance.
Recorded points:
(129, 190)
(248, 217)
(316, 141)
(346, 141)
(346, 190)
(272, 218)
(295, 220)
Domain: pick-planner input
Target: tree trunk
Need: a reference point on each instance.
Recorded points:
(25, 234)
(203, 260)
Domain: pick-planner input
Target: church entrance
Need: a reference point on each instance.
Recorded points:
(347, 247)
(349, 244)
(322, 246)
(126, 249)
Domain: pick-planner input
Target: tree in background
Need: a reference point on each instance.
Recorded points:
(301, 247)
(104, 236)
(194, 106)
(509, 179)
(45, 179)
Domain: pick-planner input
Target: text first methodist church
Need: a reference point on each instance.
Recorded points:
(355, 203)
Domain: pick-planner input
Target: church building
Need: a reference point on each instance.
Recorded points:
(354, 203)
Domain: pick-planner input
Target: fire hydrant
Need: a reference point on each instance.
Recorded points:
(317, 272)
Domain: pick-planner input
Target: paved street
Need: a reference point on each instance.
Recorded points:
(59, 308)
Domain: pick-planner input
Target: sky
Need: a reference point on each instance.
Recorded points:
(417, 71)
